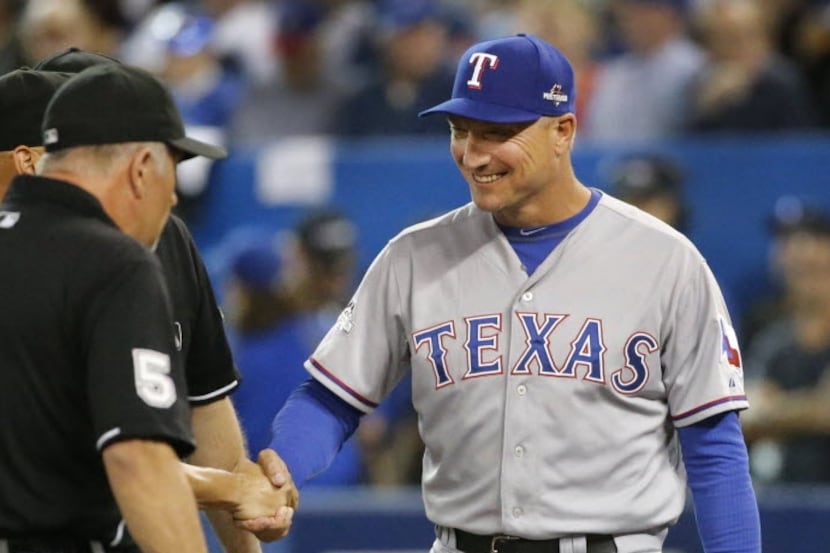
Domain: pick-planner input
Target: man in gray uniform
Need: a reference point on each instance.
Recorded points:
(572, 358)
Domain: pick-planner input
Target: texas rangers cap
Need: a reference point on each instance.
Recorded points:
(510, 80)
(73, 60)
(113, 103)
(24, 95)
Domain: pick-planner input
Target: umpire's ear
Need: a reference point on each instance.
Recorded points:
(26, 158)
(141, 172)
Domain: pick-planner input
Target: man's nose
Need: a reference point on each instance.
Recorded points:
(475, 155)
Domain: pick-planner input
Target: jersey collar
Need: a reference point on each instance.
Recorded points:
(28, 189)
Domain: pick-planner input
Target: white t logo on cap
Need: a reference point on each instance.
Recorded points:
(479, 59)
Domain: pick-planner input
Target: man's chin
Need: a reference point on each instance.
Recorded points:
(485, 203)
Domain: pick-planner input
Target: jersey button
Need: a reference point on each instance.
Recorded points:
(521, 389)
(527, 296)
(517, 512)
(518, 451)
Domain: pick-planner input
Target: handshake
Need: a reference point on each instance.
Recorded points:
(261, 497)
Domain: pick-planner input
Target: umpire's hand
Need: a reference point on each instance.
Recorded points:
(274, 527)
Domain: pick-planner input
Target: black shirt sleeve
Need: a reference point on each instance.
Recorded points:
(199, 326)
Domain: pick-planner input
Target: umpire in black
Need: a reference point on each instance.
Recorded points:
(93, 411)
(239, 488)
(210, 373)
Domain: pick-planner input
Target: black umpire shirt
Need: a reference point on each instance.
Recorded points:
(87, 357)
(199, 329)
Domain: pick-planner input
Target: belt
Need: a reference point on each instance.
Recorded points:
(50, 545)
(474, 543)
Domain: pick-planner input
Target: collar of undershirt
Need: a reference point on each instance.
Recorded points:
(554, 230)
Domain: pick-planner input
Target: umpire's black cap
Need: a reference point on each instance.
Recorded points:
(73, 60)
(24, 95)
(114, 103)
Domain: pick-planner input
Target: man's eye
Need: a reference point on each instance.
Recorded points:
(499, 134)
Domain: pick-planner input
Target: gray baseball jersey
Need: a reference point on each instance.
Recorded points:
(547, 403)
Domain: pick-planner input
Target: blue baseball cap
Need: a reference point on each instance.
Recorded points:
(257, 265)
(510, 80)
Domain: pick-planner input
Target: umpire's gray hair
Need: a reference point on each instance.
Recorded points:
(95, 161)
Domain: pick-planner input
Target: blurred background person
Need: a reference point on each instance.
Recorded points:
(322, 257)
(745, 85)
(346, 39)
(243, 35)
(785, 248)
(574, 27)
(792, 224)
(391, 442)
(47, 26)
(494, 18)
(274, 330)
(461, 29)
(175, 42)
(11, 56)
(301, 98)
(788, 361)
(802, 34)
(276, 322)
(251, 298)
(412, 74)
(652, 182)
(640, 94)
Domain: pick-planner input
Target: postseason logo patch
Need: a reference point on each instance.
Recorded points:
(555, 95)
(345, 321)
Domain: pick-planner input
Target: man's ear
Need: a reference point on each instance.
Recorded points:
(139, 172)
(565, 129)
(567, 126)
(25, 159)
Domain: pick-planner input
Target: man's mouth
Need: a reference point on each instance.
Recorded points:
(487, 179)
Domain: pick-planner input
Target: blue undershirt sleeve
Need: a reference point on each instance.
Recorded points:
(310, 429)
(717, 465)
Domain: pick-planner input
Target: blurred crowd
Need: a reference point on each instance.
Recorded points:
(247, 72)
(261, 70)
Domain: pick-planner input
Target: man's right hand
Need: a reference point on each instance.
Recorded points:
(271, 469)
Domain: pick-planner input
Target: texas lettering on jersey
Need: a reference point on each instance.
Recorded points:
(587, 351)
